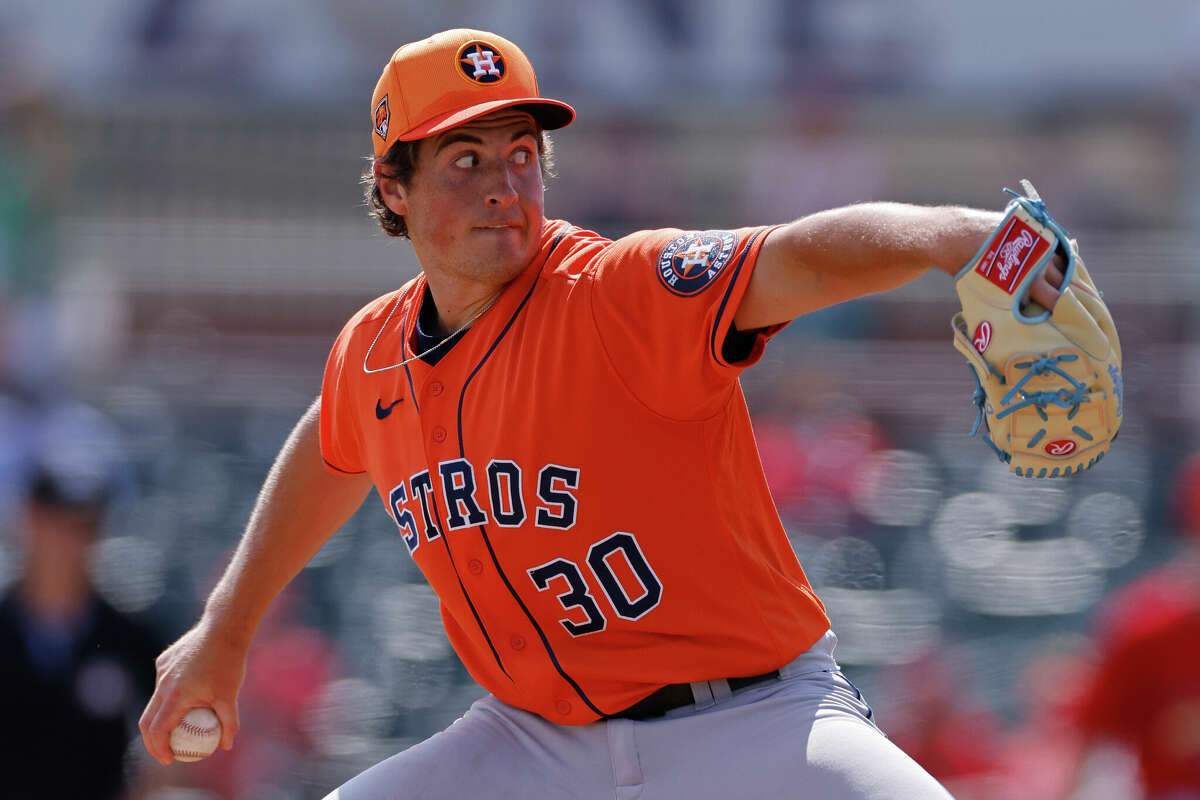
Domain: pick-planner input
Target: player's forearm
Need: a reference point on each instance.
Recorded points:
(300, 506)
(839, 255)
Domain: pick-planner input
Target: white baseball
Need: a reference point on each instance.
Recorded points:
(196, 736)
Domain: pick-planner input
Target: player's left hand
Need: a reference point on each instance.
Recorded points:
(1045, 287)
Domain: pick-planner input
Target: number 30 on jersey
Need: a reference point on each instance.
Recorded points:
(604, 558)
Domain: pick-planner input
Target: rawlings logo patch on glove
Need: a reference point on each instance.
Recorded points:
(1049, 387)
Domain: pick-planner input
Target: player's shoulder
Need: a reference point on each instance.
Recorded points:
(575, 251)
(382, 305)
(367, 319)
(641, 244)
(664, 244)
(683, 262)
(568, 250)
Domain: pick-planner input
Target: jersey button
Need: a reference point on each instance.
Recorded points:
(476, 566)
(436, 388)
(562, 707)
(518, 643)
(439, 434)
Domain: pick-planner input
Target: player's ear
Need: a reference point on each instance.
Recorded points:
(394, 195)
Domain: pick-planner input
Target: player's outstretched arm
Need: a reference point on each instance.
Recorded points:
(300, 506)
(845, 253)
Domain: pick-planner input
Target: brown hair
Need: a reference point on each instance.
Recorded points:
(400, 162)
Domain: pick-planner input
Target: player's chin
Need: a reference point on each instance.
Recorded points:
(505, 246)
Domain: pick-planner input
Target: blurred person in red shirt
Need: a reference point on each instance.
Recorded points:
(935, 721)
(1144, 693)
(1038, 755)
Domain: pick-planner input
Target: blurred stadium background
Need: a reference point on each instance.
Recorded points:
(182, 235)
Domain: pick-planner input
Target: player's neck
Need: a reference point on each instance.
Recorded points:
(458, 305)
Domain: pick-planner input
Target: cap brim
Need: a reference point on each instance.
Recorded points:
(550, 114)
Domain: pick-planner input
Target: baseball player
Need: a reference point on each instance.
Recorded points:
(554, 422)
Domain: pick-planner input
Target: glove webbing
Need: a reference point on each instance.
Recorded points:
(1039, 400)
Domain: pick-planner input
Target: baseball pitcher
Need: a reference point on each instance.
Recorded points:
(554, 422)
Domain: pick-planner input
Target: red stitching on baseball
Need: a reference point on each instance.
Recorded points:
(196, 729)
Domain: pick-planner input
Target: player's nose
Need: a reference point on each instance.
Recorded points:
(502, 188)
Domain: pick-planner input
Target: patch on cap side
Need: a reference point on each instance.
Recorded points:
(382, 118)
(481, 62)
(692, 261)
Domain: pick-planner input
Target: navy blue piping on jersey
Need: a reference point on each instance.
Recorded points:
(445, 539)
(339, 469)
(728, 291)
(483, 528)
(403, 341)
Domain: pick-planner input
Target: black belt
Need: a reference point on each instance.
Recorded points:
(676, 695)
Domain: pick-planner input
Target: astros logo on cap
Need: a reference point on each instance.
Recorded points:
(382, 118)
(480, 62)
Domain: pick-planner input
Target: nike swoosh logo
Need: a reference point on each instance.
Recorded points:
(381, 412)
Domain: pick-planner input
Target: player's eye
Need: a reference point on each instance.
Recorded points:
(466, 161)
(521, 157)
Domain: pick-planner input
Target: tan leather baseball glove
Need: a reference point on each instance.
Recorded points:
(1050, 392)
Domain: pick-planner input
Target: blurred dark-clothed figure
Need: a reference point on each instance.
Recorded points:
(74, 671)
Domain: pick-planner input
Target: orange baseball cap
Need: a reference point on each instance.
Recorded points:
(453, 77)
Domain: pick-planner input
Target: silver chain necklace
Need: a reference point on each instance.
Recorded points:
(404, 327)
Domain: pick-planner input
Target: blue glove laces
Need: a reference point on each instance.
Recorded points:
(1063, 398)
(980, 400)
(1033, 203)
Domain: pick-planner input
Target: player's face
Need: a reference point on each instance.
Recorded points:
(474, 203)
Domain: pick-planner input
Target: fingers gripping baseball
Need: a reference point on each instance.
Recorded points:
(198, 670)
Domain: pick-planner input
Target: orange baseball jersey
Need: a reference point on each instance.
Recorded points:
(577, 476)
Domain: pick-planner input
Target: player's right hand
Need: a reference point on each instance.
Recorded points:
(202, 668)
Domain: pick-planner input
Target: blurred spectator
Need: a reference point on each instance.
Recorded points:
(783, 461)
(32, 162)
(936, 722)
(36, 162)
(1039, 753)
(1144, 695)
(74, 671)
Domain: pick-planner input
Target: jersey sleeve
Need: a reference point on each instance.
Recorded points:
(341, 441)
(663, 302)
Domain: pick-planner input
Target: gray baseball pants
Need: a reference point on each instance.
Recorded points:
(808, 735)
